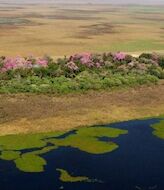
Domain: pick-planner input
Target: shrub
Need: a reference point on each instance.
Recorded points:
(161, 61)
(79, 72)
(146, 55)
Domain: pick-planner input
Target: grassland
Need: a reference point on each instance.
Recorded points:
(41, 113)
(65, 29)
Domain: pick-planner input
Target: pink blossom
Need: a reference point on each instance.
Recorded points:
(84, 58)
(119, 56)
(98, 65)
(23, 63)
(9, 64)
(42, 62)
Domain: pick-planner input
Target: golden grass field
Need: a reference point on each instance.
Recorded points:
(25, 113)
(59, 30)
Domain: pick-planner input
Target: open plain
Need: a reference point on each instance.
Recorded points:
(64, 29)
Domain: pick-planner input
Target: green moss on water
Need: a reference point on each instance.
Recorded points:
(30, 163)
(25, 141)
(66, 177)
(85, 139)
(10, 155)
(159, 129)
(43, 150)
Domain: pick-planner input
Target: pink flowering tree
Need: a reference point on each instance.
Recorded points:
(86, 59)
(119, 56)
(9, 63)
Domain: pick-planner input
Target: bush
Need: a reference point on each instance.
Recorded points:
(79, 72)
(161, 61)
(146, 55)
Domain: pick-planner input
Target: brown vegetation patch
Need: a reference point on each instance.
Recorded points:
(97, 29)
(10, 21)
(70, 17)
(11, 8)
(60, 16)
(80, 11)
(150, 18)
(40, 113)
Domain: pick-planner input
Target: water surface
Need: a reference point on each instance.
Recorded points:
(127, 161)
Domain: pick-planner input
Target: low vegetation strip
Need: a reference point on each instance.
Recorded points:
(36, 113)
(79, 72)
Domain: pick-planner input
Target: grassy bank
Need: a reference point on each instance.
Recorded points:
(31, 113)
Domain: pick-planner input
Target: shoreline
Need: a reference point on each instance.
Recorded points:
(26, 113)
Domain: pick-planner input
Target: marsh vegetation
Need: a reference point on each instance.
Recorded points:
(68, 29)
(82, 157)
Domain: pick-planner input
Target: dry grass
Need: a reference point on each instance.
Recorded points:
(41, 113)
(63, 30)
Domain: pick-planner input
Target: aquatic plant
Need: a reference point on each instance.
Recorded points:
(10, 155)
(85, 139)
(30, 163)
(66, 177)
(88, 140)
(159, 129)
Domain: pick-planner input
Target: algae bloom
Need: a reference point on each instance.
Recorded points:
(66, 177)
(159, 129)
(86, 139)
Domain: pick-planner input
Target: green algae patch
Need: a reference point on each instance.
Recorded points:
(43, 150)
(159, 129)
(100, 131)
(88, 139)
(87, 144)
(30, 163)
(10, 155)
(25, 141)
(11, 146)
(66, 177)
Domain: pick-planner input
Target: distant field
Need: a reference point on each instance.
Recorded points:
(65, 29)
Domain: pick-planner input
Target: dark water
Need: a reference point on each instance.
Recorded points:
(138, 164)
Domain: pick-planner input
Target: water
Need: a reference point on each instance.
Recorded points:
(138, 164)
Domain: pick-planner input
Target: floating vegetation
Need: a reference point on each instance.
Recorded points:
(159, 129)
(10, 155)
(85, 139)
(30, 163)
(73, 162)
(25, 141)
(66, 177)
